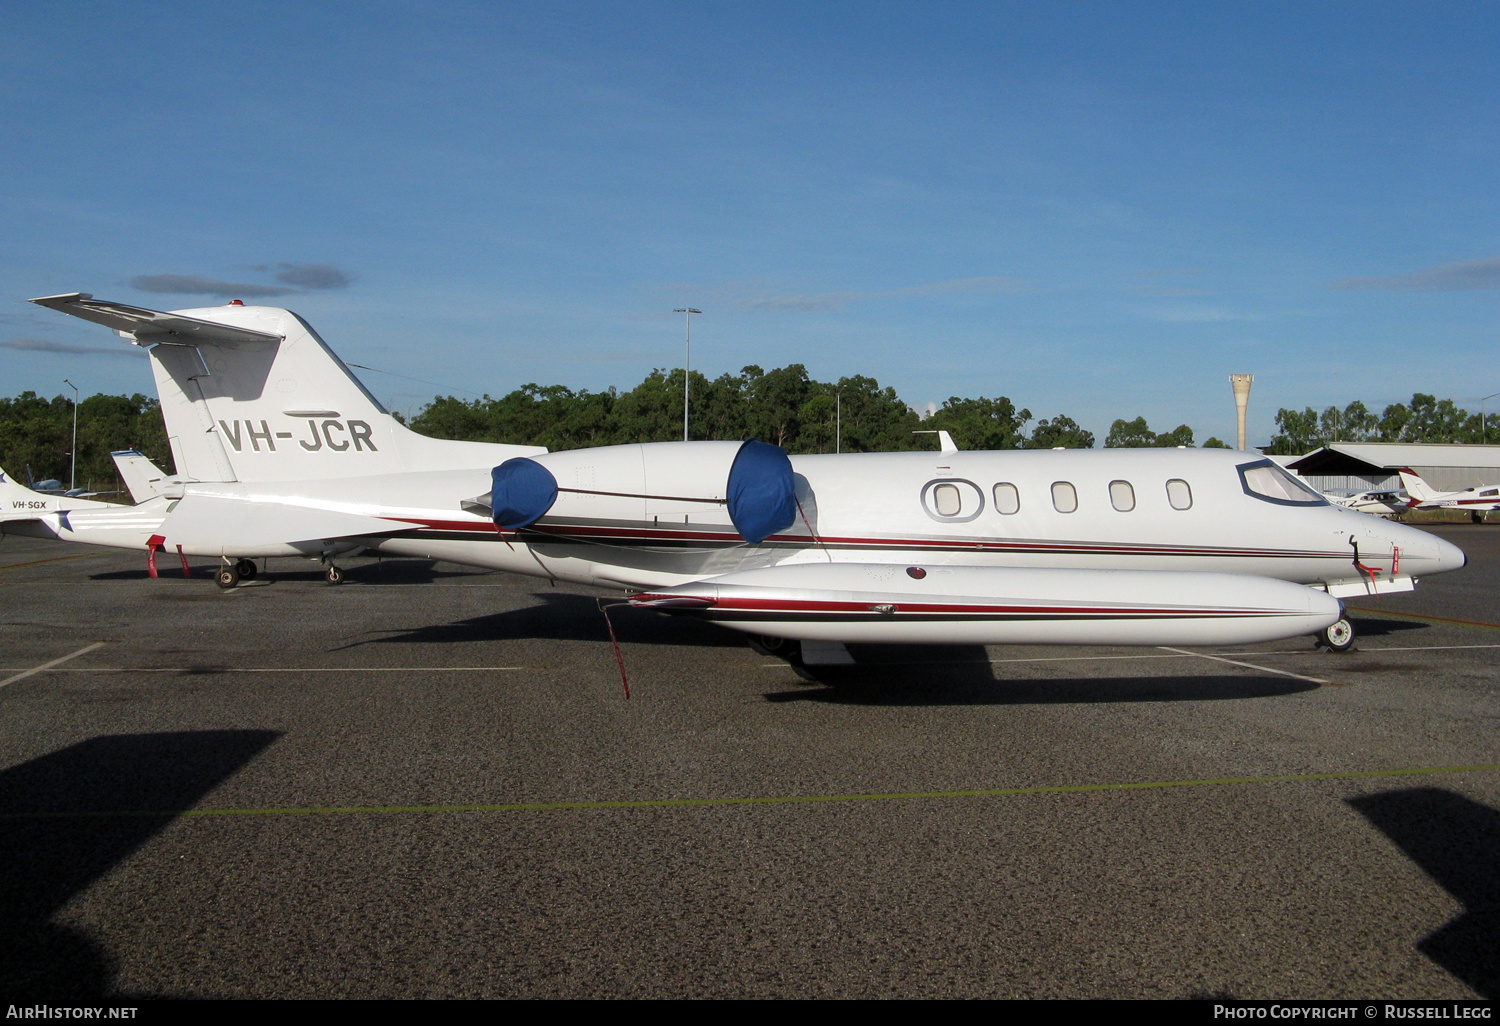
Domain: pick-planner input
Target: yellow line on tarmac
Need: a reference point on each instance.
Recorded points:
(50, 559)
(800, 799)
(1424, 618)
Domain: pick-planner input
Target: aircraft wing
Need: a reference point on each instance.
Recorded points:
(147, 327)
(945, 604)
(233, 524)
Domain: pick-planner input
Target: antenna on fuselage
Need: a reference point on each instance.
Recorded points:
(945, 440)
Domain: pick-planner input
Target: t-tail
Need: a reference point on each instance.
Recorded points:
(251, 394)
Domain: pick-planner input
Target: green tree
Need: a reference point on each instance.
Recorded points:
(1214, 443)
(981, 423)
(1061, 432)
(1299, 432)
(1181, 435)
(1130, 434)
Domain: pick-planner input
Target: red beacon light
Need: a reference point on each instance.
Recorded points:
(236, 302)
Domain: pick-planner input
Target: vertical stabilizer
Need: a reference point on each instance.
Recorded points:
(143, 479)
(1419, 490)
(251, 393)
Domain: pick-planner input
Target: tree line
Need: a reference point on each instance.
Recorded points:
(784, 405)
(36, 436)
(1425, 419)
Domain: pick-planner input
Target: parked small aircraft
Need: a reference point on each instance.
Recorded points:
(1478, 500)
(1381, 504)
(280, 451)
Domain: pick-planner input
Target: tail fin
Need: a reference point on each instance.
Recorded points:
(143, 478)
(251, 393)
(1418, 489)
(18, 502)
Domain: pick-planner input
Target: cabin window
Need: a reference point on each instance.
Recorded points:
(1121, 496)
(1064, 497)
(952, 500)
(1490, 493)
(1179, 495)
(1007, 498)
(1266, 481)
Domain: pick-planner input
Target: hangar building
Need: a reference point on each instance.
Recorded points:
(1372, 466)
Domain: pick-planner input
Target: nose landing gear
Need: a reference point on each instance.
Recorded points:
(1337, 636)
(333, 575)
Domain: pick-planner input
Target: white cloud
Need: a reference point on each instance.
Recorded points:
(1464, 276)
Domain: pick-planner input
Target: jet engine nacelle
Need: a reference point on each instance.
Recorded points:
(750, 483)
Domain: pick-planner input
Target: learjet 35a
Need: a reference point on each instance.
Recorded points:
(280, 451)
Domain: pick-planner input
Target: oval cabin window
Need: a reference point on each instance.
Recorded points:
(1064, 497)
(1007, 498)
(1121, 496)
(946, 501)
(1179, 494)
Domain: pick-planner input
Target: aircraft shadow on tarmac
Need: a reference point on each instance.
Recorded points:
(963, 675)
(567, 616)
(1368, 627)
(46, 861)
(1456, 841)
(290, 568)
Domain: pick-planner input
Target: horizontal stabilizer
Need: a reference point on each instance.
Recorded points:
(148, 327)
(222, 523)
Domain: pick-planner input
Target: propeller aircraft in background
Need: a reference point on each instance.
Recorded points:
(1479, 500)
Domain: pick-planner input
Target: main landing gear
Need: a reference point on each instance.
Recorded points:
(231, 574)
(1337, 636)
(333, 575)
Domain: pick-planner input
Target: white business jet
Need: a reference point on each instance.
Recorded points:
(280, 451)
(1478, 500)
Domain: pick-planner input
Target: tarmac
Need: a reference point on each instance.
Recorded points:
(428, 782)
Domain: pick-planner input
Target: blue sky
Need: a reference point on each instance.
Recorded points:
(1095, 209)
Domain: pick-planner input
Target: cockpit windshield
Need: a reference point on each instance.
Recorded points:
(1266, 481)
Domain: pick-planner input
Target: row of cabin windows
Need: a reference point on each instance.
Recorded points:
(948, 502)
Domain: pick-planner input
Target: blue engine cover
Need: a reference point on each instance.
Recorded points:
(762, 495)
(521, 494)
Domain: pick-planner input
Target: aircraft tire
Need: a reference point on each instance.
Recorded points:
(766, 645)
(1476, 516)
(333, 575)
(1337, 636)
(227, 577)
(247, 569)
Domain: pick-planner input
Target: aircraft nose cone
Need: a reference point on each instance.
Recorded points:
(1449, 556)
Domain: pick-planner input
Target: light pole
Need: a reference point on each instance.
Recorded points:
(687, 353)
(1484, 435)
(73, 474)
(838, 432)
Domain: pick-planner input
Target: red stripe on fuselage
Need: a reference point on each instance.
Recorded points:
(843, 606)
(647, 535)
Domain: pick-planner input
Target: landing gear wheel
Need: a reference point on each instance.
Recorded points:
(227, 577)
(1337, 636)
(1476, 516)
(246, 568)
(780, 648)
(333, 575)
